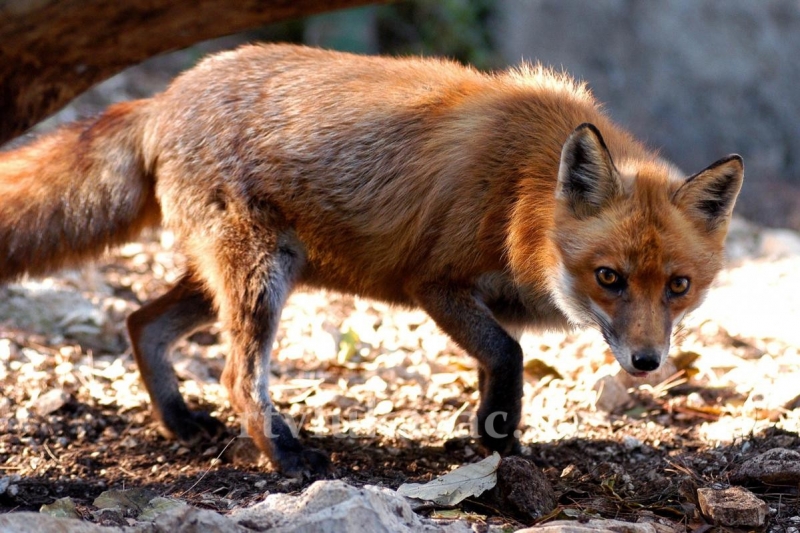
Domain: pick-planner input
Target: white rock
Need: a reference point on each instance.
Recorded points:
(599, 526)
(336, 507)
(186, 519)
(27, 521)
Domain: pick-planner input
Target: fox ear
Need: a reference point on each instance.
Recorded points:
(709, 195)
(587, 178)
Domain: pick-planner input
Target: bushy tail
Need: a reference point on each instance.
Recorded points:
(71, 194)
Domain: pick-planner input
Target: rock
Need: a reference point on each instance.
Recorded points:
(61, 508)
(51, 401)
(158, 506)
(27, 521)
(735, 506)
(130, 502)
(334, 507)
(778, 466)
(599, 526)
(523, 489)
(186, 519)
(183, 519)
(611, 394)
(631, 443)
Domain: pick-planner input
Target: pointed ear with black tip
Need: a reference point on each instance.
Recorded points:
(708, 197)
(587, 178)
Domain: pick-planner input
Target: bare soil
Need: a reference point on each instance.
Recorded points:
(391, 398)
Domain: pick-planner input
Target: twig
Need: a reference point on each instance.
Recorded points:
(208, 469)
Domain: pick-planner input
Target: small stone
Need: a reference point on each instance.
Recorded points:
(631, 443)
(129, 442)
(130, 501)
(695, 400)
(61, 508)
(523, 489)
(778, 466)
(735, 506)
(384, 407)
(611, 394)
(51, 401)
(158, 506)
(332, 505)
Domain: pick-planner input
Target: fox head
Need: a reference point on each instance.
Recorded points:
(637, 243)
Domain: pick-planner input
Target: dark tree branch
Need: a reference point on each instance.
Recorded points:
(53, 50)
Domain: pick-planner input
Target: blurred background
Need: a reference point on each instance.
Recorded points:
(698, 79)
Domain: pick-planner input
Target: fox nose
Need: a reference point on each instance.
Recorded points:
(646, 360)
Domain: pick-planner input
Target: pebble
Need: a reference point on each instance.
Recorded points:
(778, 466)
(51, 401)
(631, 443)
(611, 394)
(734, 506)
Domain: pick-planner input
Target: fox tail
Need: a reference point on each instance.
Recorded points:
(69, 195)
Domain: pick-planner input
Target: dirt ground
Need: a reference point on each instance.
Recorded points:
(392, 399)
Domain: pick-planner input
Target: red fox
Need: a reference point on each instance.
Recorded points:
(494, 202)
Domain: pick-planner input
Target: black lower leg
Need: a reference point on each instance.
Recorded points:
(153, 330)
(472, 326)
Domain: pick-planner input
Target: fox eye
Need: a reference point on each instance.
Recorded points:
(609, 279)
(678, 286)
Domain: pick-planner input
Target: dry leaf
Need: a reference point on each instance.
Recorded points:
(539, 369)
(461, 483)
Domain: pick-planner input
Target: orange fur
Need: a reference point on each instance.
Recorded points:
(415, 181)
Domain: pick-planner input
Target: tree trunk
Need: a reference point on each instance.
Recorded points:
(53, 50)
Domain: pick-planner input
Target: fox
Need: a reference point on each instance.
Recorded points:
(496, 202)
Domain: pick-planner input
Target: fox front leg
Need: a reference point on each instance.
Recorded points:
(470, 323)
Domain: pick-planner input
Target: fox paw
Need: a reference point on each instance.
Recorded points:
(193, 427)
(504, 446)
(305, 462)
(499, 433)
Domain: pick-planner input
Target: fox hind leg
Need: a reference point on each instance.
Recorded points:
(154, 329)
(253, 280)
